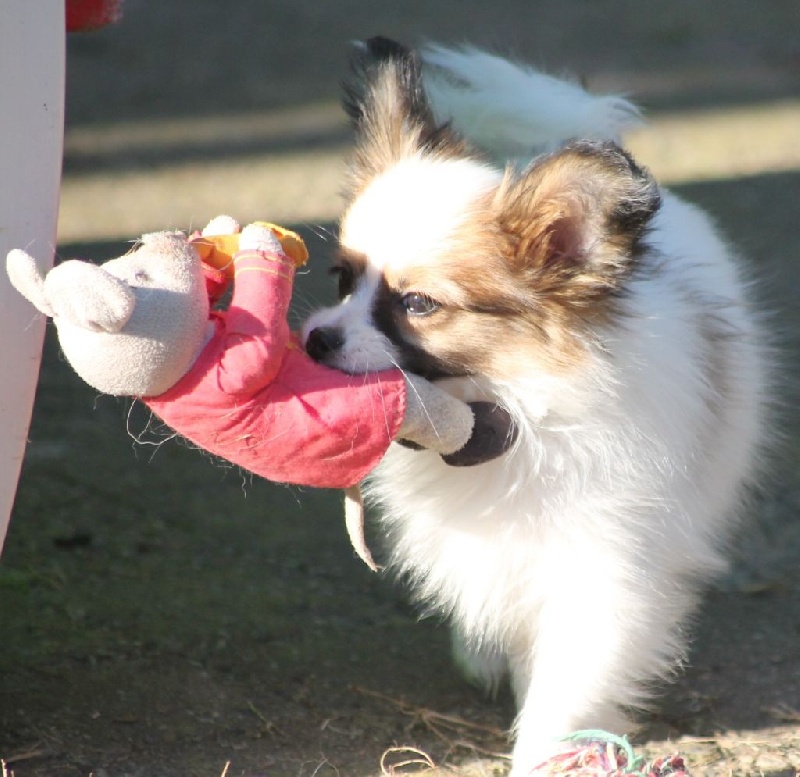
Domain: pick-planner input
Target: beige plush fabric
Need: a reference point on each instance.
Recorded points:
(131, 327)
(434, 419)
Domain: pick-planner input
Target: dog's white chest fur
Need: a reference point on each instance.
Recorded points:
(573, 561)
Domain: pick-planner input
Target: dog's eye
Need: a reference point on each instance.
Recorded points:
(345, 279)
(416, 304)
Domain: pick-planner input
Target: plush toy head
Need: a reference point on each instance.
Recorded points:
(131, 327)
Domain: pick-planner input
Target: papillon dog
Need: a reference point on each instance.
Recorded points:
(499, 241)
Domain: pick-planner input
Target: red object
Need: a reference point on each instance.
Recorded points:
(255, 398)
(600, 754)
(92, 14)
(217, 282)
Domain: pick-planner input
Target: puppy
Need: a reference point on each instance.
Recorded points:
(609, 319)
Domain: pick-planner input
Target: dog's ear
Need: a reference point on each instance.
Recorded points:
(575, 221)
(369, 58)
(386, 102)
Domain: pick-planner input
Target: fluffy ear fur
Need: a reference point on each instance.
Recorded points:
(574, 222)
(387, 104)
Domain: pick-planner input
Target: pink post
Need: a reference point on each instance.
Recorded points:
(32, 63)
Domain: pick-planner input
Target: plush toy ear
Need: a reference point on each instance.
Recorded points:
(89, 297)
(27, 278)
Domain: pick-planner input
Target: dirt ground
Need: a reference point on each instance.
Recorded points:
(163, 616)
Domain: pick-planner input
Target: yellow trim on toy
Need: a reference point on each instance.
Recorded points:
(218, 250)
(291, 242)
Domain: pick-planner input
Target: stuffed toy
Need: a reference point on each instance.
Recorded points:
(237, 382)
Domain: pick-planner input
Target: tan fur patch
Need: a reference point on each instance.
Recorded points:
(575, 221)
(542, 263)
(396, 124)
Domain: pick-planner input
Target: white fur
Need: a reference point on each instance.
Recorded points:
(436, 197)
(574, 560)
(513, 110)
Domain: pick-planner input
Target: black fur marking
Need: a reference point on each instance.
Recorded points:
(346, 278)
(367, 59)
(381, 48)
(387, 314)
(348, 268)
(633, 212)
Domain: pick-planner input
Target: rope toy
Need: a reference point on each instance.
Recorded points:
(600, 754)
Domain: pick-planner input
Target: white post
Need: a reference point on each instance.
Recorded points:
(32, 64)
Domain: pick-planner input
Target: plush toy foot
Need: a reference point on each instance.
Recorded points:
(257, 237)
(493, 434)
(221, 225)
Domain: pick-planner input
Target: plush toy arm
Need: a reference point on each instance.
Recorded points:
(257, 332)
(465, 434)
(434, 419)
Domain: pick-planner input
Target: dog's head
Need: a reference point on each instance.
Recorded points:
(450, 267)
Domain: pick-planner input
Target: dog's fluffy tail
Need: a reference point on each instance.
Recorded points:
(513, 111)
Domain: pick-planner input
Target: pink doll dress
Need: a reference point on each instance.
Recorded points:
(255, 398)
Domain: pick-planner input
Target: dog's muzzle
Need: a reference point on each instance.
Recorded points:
(323, 342)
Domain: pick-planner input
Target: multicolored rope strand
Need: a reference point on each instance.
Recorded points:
(600, 754)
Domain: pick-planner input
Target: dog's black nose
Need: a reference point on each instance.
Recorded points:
(323, 341)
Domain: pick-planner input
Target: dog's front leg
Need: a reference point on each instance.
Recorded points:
(575, 669)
